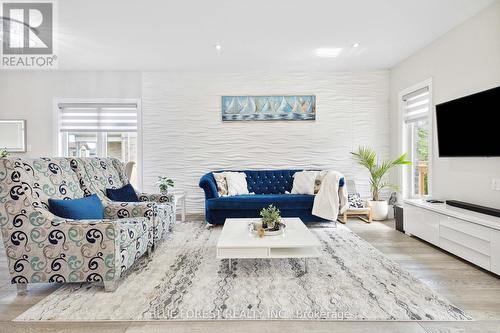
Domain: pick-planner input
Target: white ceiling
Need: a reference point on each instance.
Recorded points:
(254, 34)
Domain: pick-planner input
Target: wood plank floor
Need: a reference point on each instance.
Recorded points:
(470, 288)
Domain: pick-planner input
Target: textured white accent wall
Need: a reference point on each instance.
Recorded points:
(185, 138)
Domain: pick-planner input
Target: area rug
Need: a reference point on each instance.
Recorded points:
(184, 281)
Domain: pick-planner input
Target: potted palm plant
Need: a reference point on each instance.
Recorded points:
(368, 158)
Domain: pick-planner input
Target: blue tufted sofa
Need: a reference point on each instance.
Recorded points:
(269, 187)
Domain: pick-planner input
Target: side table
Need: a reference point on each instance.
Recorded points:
(180, 199)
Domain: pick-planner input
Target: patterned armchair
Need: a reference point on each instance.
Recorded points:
(99, 174)
(42, 247)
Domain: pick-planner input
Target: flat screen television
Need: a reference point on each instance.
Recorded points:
(470, 126)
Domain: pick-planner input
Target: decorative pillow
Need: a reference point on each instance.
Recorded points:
(236, 183)
(318, 180)
(220, 179)
(303, 182)
(88, 208)
(355, 201)
(317, 185)
(124, 194)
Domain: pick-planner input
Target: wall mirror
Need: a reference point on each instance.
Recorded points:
(13, 135)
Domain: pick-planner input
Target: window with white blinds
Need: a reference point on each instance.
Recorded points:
(417, 134)
(99, 129)
(416, 105)
(98, 117)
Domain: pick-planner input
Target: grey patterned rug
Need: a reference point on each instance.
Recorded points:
(183, 281)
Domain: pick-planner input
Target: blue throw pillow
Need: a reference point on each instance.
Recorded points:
(124, 194)
(88, 208)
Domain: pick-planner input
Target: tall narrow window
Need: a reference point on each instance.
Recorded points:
(417, 135)
(99, 129)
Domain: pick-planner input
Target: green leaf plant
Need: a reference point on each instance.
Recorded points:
(164, 183)
(3, 153)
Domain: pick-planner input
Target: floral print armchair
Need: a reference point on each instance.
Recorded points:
(42, 247)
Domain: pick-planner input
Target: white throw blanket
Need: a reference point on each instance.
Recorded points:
(331, 199)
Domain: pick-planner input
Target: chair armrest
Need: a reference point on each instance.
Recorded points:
(91, 242)
(130, 228)
(62, 250)
(207, 183)
(119, 210)
(154, 197)
(366, 200)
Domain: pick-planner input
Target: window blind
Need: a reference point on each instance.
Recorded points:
(98, 117)
(416, 105)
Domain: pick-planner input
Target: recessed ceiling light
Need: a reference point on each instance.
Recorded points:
(328, 52)
(217, 47)
(355, 45)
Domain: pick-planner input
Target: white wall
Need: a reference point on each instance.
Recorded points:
(185, 137)
(463, 61)
(29, 95)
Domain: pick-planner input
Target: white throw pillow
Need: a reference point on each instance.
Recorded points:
(236, 183)
(303, 182)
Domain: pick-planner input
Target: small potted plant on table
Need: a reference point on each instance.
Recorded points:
(271, 218)
(368, 158)
(270, 223)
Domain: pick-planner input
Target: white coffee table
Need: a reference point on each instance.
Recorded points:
(237, 242)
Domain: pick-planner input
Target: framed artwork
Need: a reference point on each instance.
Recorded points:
(13, 135)
(246, 108)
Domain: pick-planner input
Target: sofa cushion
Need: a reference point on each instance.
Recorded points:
(88, 208)
(51, 178)
(259, 201)
(236, 183)
(304, 181)
(355, 201)
(220, 180)
(102, 174)
(123, 194)
(270, 181)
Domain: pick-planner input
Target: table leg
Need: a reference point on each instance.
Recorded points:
(306, 268)
(22, 289)
(229, 264)
(183, 211)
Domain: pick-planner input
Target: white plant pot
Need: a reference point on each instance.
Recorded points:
(380, 209)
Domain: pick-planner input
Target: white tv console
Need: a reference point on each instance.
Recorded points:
(472, 236)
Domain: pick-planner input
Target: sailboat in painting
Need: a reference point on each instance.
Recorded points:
(248, 105)
(232, 106)
(284, 106)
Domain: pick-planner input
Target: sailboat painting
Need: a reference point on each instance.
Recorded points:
(243, 108)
